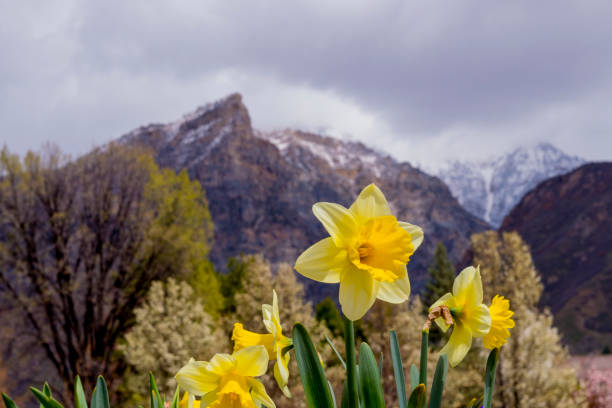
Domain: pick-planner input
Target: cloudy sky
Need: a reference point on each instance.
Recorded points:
(424, 80)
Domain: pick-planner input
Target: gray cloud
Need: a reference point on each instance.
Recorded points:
(422, 79)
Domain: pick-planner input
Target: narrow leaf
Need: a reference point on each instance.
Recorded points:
(47, 391)
(424, 351)
(176, 398)
(45, 401)
(311, 372)
(99, 398)
(8, 403)
(490, 377)
(398, 370)
(369, 378)
(331, 391)
(156, 399)
(331, 344)
(437, 386)
(414, 377)
(418, 398)
(79, 395)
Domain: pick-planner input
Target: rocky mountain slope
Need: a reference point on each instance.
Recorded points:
(261, 186)
(567, 222)
(489, 189)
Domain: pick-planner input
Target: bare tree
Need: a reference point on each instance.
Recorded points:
(80, 243)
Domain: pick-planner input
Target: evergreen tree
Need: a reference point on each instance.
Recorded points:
(441, 277)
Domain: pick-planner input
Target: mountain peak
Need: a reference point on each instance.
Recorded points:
(193, 137)
(489, 189)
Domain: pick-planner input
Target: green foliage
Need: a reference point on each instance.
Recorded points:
(441, 276)
(313, 378)
(327, 313)
(370, 385)
(232, 282)
(398, 370)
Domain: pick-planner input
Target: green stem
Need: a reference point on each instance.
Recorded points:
(424, 351)
(490, 377)
(351, 365)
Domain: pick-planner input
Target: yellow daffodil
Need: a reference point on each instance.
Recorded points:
(500, 323)
(227, 381)
(274, 342)
(188, 401)
(470, 318)
(367, 252)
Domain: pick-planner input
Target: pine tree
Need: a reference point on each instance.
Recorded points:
(441, 276)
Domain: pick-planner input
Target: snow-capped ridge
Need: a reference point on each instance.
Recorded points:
(490, 189)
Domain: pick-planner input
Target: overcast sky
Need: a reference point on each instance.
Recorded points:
(423, 80)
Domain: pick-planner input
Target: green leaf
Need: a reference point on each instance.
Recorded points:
(418, 398)
(311, 372)
(369, 378)
(331, 344)
(437, 386)
(176, 398)
(398, 370)
(8, 403)
(80, 400)
(414, 377)
(424, 351)
(44, 399)
(380, 365)
(331, 391)
(351, 364)
(99, 398)
(156, 399)
(490, 377)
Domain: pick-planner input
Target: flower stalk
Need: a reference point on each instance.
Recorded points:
(351, 364)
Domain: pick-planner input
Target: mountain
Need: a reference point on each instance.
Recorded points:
(261, 186)
(489, 189)
(567, 222)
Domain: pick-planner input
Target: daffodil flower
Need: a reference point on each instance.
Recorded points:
(274, 342)
(227, 381)
(470, 317)
(188, 401)
(367, 252)
(500, 323)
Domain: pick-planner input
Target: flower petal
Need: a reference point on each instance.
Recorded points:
(323, 262)
(416, 233)
(221, 363)
(281, 372)
(394, 292)
(458, 345)
(478, 320)
(338, 222)
(370, 203)
(357, 293)
(251, 361)
(196, 379)
(467, 287)
(259, 394)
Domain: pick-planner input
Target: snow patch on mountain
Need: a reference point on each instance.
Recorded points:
(338, 154)
(490, 189)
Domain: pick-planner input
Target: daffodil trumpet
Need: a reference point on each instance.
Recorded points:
(367, 252)
(228, 381)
